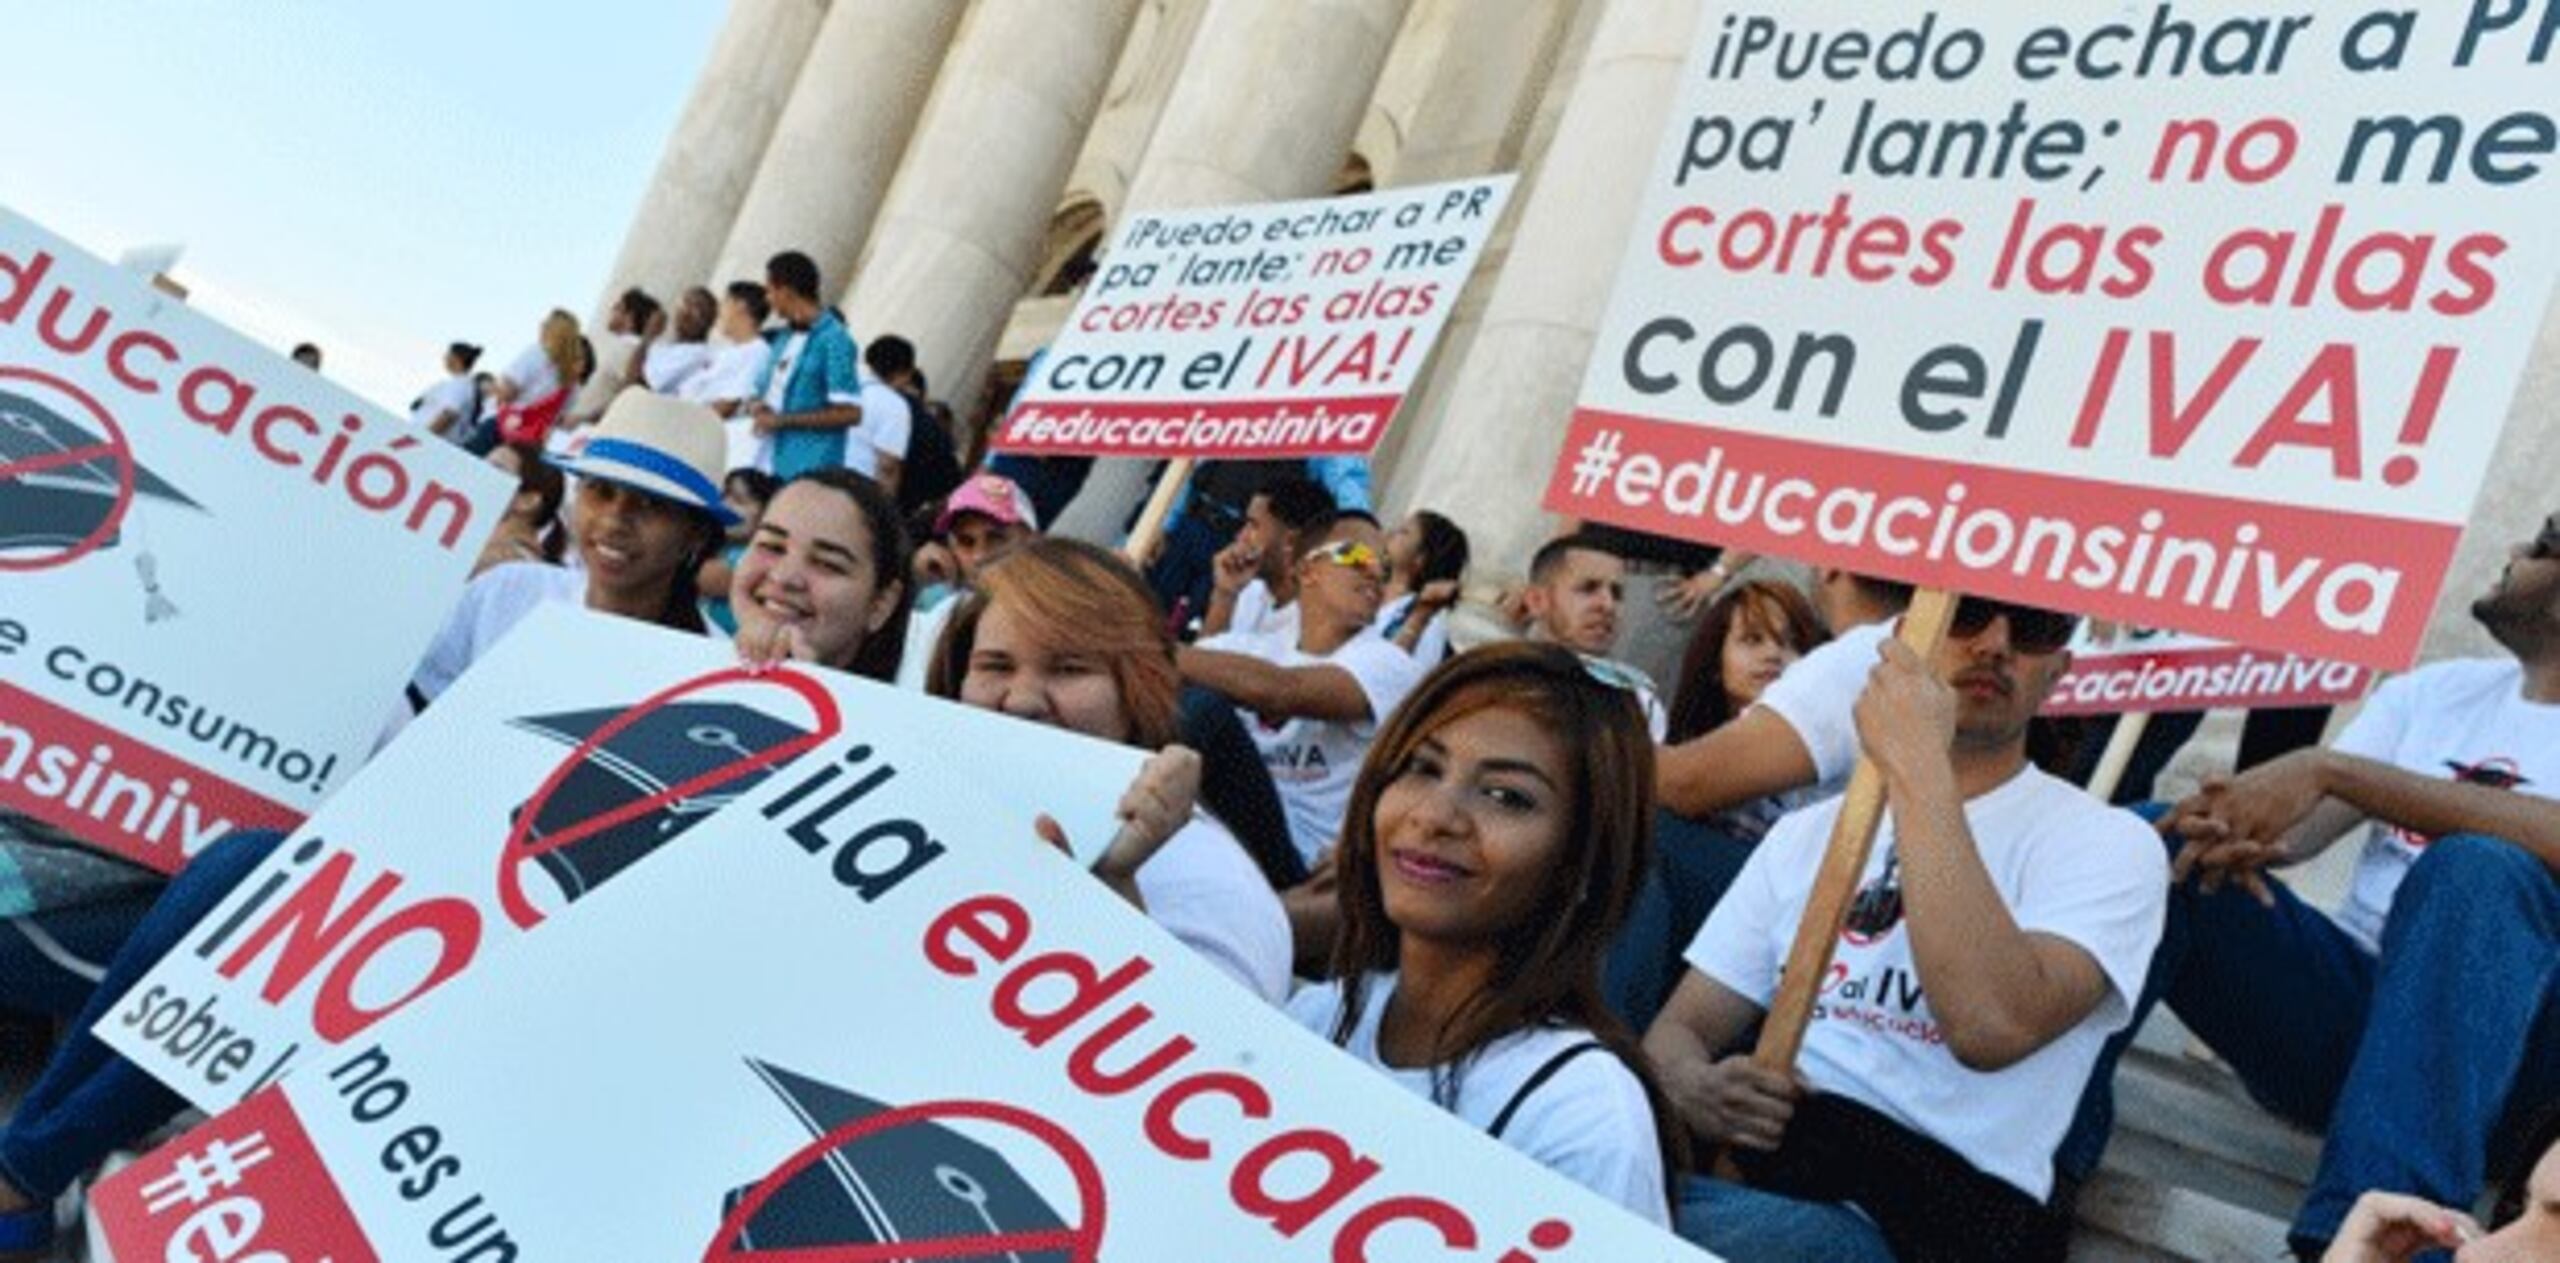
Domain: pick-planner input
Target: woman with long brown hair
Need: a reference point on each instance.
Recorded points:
(1495, 837)
(1060, 632)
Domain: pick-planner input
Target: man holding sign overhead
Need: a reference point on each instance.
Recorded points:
(2000, 934)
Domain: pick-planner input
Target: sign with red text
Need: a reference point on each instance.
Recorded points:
(246, 1186)
(2187, 316)
(988, 1057)
(2133, 670)
(1277, 329)
(580, 747)
(217, 569)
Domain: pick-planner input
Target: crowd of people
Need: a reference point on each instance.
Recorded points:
(1512, 872)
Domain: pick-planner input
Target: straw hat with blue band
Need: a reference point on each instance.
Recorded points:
(659, 444)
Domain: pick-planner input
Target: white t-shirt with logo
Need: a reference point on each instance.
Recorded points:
(2463, 720)
(1589, 1122)
(887, 423)
(2065, 864)
(1314, 761)
(1204, 890)
(1818, 697)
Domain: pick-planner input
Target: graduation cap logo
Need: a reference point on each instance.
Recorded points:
(879, 1183)
(69, 481)
(637, 777)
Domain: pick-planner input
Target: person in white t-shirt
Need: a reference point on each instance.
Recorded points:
(1795, 741)
(1496, 835)
(668, 362)
(1426, 561)
(1574, 591)
(736, 371)
(2001, 933)
(1063, 633)
(449, 408)
(649, 513)
(2422, 1022)
(1314, 694)
(876, 447)
(1253, 584)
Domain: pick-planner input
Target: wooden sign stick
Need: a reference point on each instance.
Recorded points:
(1835, 886)
(2118, 755)
(1150, 527)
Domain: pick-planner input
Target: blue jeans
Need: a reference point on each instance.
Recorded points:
(2420, 1062)
(50, 962)
(1694, 864)
(1739, 1222)
(89, 1100)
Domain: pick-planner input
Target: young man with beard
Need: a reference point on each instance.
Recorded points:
(1575, 590)
(1999, 937)
(2421, 1025)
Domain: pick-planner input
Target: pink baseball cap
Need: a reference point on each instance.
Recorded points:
(994, 495)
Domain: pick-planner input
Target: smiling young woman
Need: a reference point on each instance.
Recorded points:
(1494, 840)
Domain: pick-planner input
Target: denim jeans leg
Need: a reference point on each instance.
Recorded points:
(90, 1100)
(1739, 1222)
(1694, 864)
(2279, 992)
(2470, 961)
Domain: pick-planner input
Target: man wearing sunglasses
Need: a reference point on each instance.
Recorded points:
(2424, 1017)
(2001, 934)
(1313, 690)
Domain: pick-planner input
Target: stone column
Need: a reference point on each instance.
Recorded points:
(956, 244)
(1267, 105)
(1459, 93)
(838, 141)
(1150, 65)
(719, 139)
(1265, 111)
(1492, 438)
(1465, 122)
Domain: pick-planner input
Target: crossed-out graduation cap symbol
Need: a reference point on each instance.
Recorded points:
(60, 484)
(909, 1181)
(669, 746)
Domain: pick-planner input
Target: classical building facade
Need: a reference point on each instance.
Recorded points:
(955, 166)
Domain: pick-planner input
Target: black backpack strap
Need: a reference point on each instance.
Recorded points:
(1538, 1079)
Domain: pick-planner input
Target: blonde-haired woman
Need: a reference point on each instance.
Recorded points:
(537, 383)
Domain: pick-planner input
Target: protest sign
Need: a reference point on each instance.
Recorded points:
(1279, 329)
(991, 1057)
(216, 568)
(2201, 317)
(2140, 671)
(578, 748)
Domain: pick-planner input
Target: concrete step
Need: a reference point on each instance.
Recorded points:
(2195, 1170)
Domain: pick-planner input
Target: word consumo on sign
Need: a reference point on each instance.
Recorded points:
(1287, 329)
(217, 568)
(2203, 317)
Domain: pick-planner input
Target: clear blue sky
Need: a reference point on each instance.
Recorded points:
(378, 178)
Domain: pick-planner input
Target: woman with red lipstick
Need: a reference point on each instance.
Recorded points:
(1495, 838)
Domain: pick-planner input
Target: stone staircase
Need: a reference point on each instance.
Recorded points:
(2194, 1171)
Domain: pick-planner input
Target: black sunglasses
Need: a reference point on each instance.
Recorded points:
(2031, 630)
